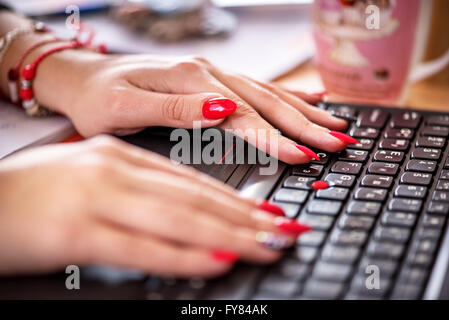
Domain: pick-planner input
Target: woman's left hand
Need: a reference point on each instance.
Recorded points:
(122, 94)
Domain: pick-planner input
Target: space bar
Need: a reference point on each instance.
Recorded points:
(260, 186)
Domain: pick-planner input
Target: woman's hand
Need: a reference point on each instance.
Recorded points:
(106, 202)
(123, 94)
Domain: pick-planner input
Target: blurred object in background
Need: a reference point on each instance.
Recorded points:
(175, 20)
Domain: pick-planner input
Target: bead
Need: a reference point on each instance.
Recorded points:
(102, 48)
(28, 104)
(26, 93)
(28, 72)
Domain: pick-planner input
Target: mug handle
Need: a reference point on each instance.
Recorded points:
(426, 69)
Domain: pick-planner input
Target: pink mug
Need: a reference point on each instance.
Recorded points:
(371, 50)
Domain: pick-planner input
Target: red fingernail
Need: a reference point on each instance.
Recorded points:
(343, 137)
(271, 208)
(218, 108)
(292, 227)
(320, 94)
(308, 152)
(225, 256)
(318, 185)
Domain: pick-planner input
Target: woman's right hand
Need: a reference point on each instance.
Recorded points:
(106, 202)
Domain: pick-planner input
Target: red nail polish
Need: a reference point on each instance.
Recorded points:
(318, 185)
(343, 137)
(320, 94)
(308, 152)
(271, 208)
(293, 227)
(218, 108)
(225, 256)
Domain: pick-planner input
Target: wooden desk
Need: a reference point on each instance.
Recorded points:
(429, 94)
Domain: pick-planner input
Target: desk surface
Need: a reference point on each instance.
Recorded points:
(432, 95)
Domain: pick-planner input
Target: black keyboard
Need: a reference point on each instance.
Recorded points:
(385, 212)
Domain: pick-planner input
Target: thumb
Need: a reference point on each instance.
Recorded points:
(181, 111)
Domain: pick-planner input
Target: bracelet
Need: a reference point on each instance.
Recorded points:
(13, 73)
(10, 36)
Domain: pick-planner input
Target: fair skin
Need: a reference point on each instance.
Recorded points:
(101, 201)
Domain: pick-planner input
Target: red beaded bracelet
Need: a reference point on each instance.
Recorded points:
(13, 73)
(28, 73)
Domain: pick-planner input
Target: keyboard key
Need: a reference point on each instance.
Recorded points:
(444, 175)
(360, 290)
(426, 153)
(407, 191)
(281, 286)
(430, 221)
(440, 196)
(398, 219)
(291, 195)
(324, 157)
(440, 208)
(371, 194)
(348, 238)
(430, 142)
(325, 207)
(392, 234)
(346, 167)
(291, 210)
(340, 180)
(384, 168)
(405, 205)
(412, 276)
(389, 156)
(375, 118)
(343, 111)
(347, 222)
(438, 120)
(386, 267)
(332, 272)
(421, 165)
(315, 289)
(312, 238)
(425, 246)
(438, 131)
(416, 178)
(442, 185)
(369, 133)
(406, 292)
(353, 155)
(333, 193)
(295, 182)
(310, 170)
(394, 144)
(385, 250)
(345, 255)
(317, 222)
(420, 260)
(407, 119)
(291, 268)
(428, 233)
(363, 144)
(399, 133)
(446, 163)
(304, 254)
(363, 208)
(377, 181)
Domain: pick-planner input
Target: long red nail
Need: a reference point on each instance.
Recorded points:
(318, 185)
(225, 256)
(218, 108)
(308, 152)
(292, 227)
(343, 137)
(271, 208)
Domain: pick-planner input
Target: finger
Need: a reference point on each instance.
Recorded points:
(311, 98)
(192, 194)
(140, 108)
(281, 114)
(119, 248)
(316, 115)
(172, 221)
(145, 159)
